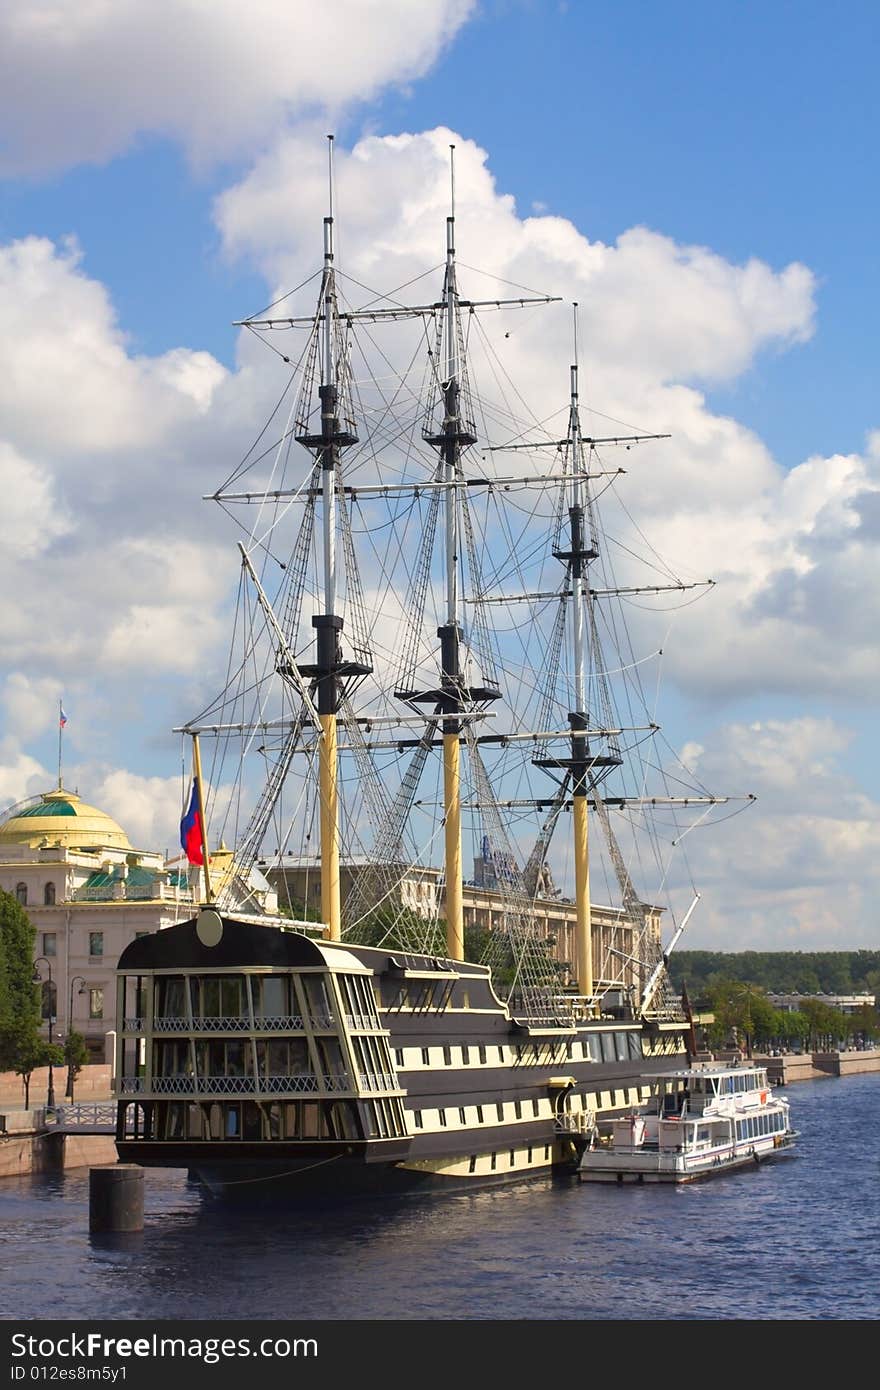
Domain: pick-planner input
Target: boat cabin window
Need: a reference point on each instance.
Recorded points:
(359, 1000)
(272, 996)
(170, 997)
(282, 1057)
(172, 1058)
(318, 998)
(218, 996)
(224, 1058)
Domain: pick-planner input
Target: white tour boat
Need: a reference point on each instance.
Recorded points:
(701, 1121)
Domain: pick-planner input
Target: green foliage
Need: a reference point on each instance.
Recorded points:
(19, 995)
(299, 912)
(28, 1051)
(779, 972)
(76, 1054)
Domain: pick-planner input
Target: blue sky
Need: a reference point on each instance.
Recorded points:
(749, 130)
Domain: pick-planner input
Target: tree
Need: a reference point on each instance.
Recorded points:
(866, 1023)
(30, 1051)
(19, 995)
(76, 1054)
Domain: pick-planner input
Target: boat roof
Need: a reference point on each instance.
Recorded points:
(692, 1073)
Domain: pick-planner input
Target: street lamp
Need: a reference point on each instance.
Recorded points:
(50, 1094)
(77, 979)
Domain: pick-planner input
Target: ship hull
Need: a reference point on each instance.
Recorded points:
(645, 1173)
(351, 1069)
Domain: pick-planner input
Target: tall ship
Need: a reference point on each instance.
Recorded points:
(430, 660)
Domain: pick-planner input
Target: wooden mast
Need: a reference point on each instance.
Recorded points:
(328, 624)
(577, 557)
(330, 671)
(450, 633)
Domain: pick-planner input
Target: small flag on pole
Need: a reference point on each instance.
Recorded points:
(191, 828)
(62, 717)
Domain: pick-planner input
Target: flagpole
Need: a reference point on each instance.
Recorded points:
(197, 773)
(60, 732)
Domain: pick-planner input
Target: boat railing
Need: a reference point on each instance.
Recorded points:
(377, 1081)
(576, 1122)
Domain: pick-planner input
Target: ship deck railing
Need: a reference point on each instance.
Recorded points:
(235, 1023)
(203, 1086)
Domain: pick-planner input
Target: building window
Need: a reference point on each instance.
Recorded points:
(442, 1116)
(462, 1115)
(472, 1166)
(96, 1003)
(21, 893)
(49, 947)
(49, 895)
(426, 1057)
(96, 945)
(398, 1056)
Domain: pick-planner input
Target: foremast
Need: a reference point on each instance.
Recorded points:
(451, 442)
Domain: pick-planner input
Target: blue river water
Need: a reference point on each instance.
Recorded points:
(792, 1240)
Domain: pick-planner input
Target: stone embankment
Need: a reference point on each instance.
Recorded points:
(808, 1066)
(27, 1145)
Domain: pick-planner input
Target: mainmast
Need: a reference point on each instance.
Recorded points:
(453, 699)
(579, 557)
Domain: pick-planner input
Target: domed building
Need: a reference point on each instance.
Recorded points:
(89, 892)
(62, 818)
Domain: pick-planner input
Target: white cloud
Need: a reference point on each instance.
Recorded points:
(801, 868)
(21, 776)
(30, 706)
(80, 80)
(32, 519)
(147, 808)
(67, 379)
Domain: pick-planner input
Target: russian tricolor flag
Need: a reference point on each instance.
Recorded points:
(191, 828)
(62, 717)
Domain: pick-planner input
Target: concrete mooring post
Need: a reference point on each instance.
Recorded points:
(116, 1198)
